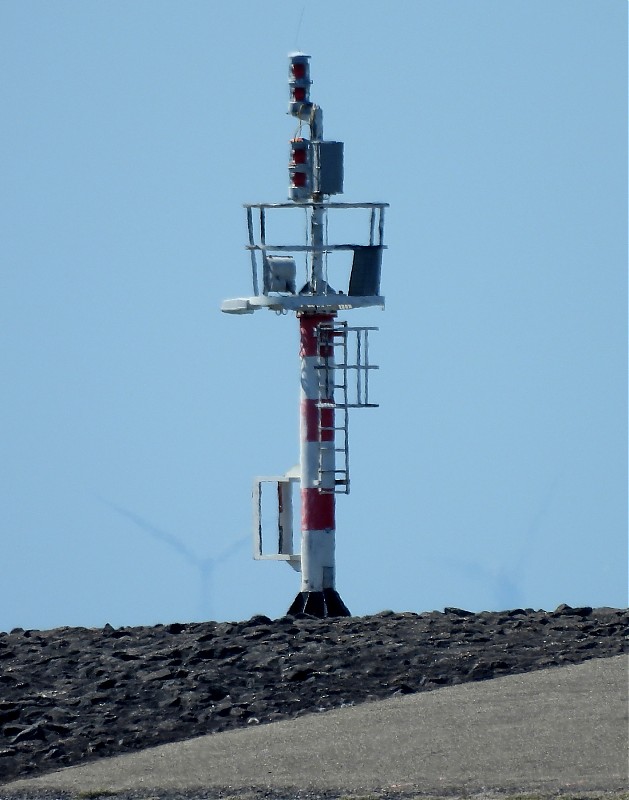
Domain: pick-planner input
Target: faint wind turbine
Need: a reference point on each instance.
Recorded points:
(206, 566)
(504, 582)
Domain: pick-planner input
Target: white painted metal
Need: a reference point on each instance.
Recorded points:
(285, 303)
(317, 560)
(309, 458)
(284, 531)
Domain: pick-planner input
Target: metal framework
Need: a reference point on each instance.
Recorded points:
(362, 289)
(335, 367)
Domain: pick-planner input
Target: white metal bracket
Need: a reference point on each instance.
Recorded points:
(283, 549)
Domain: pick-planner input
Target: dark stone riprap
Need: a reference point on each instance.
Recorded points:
(72, 695)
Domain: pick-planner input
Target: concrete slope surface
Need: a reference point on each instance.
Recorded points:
(562, 729)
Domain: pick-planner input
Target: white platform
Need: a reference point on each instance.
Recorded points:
(297, 302)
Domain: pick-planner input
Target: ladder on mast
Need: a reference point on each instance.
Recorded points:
(337, 391)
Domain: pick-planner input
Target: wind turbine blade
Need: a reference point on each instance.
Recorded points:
(157, 533)
(226, 553)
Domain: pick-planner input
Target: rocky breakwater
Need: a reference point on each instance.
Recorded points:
(71, 695)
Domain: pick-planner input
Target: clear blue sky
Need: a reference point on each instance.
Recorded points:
(134, 414)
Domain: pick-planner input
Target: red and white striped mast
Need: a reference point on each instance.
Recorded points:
(328, 390)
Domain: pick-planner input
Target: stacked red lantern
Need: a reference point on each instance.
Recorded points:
(299, 82)
(300, 169)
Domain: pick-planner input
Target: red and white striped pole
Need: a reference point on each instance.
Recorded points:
(318, 595)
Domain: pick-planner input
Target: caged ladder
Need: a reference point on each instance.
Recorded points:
(343, 384)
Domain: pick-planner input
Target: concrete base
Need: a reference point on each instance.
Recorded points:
(327, 603)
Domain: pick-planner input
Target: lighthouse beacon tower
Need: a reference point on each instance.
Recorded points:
(334, 357)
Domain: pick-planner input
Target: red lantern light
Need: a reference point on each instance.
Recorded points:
(300, 169)
(299, 85)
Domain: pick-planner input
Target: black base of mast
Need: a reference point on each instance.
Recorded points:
(323, 604)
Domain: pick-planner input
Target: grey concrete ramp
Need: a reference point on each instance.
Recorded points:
(556, 730)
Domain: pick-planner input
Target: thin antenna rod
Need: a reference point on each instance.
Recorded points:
(301, 17)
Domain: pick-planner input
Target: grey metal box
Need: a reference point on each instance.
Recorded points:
(328, 167)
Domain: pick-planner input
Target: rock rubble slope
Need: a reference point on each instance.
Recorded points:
(73, 695)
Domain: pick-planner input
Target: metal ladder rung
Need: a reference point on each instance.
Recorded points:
(353, 392)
